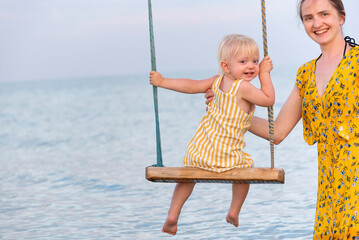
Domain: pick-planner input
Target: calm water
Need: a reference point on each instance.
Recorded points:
(73, 155)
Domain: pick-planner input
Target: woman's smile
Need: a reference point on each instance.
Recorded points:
(320, 32)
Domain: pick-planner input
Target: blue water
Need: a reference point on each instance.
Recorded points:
(73, 155)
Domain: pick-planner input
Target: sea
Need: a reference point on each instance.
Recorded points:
(73, 154)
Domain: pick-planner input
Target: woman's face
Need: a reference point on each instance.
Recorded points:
(321, 20)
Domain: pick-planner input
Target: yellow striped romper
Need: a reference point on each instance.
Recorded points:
(218, 142)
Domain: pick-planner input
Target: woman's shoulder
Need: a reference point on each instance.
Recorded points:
(350, 62)
(356, 48)
(354, 52)
(306, 66)
(305, 70)
(303, 75)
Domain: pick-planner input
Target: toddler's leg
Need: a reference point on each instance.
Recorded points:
(239, 194)
(180, 195)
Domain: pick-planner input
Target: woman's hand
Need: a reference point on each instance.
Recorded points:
(209, 96)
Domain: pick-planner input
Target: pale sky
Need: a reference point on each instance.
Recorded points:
(55, 39)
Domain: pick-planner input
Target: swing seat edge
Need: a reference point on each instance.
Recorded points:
(197, 175)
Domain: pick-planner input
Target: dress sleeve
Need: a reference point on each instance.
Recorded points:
(308, 110)
(301, 79)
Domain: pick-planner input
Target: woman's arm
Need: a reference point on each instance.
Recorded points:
(183, 85)
(286, 120)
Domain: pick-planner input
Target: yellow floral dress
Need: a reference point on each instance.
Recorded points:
(332, 121)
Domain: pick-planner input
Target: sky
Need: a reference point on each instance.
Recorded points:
(60, 39)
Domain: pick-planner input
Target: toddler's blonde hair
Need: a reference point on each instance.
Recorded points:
(233, 44)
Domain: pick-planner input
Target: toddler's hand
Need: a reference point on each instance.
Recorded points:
(266, 65)
(156, 78)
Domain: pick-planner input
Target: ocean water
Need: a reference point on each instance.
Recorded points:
(73, 154)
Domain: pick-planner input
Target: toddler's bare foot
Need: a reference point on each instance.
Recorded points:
(170, 225)
(232, 218)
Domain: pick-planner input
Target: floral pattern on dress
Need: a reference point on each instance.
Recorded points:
(332, 121)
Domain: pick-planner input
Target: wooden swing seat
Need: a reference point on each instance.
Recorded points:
(193, 174)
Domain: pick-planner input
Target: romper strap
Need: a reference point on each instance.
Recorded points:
(235, 86)
(216, 83)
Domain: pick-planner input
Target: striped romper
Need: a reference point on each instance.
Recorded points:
(218, 142)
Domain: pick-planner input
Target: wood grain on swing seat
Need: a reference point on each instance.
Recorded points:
(237, 175)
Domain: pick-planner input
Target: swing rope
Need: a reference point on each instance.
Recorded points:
(270, 109)
(155, 98)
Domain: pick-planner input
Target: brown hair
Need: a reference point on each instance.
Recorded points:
(337, 4)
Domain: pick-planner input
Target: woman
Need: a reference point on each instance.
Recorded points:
(326, 97)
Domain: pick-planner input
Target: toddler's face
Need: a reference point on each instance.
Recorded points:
(245, 67)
